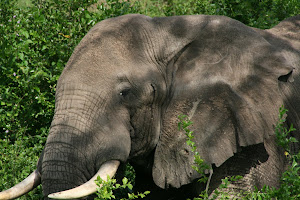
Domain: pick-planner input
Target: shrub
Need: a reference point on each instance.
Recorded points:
(290, 180)
(17, 161)
(110, 189)
(259, 14)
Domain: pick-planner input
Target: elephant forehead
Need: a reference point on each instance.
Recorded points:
(106, 67)
(92, 65)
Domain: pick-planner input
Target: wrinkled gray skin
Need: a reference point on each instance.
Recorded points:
(120, 93)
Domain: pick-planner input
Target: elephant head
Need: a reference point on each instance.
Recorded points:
(118, 98)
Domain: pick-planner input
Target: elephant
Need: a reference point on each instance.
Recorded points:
(120, 94)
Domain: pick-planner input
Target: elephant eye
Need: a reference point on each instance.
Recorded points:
(124, 92)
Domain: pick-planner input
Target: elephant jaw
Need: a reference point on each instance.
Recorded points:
(109, 168)
(28, 184)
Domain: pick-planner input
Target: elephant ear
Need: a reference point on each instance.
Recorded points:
(226, 82)
(287, 31)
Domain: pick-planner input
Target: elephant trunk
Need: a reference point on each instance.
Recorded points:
(67, 160)
(64, 163)
(83, 138)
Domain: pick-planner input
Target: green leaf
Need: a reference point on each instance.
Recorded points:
(25, 33)
(39, 18)
(125, 181)
(130, 187)
(44, 47)
(21, 56)
(87, 16)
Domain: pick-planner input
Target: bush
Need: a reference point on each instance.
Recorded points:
(110, 189)
(290, 181)
(17, 161)
(255, 13)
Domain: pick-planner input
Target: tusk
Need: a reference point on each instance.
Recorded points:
(109, 168)
(28, 184)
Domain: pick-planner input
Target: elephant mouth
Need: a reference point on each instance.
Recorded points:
(109, 168)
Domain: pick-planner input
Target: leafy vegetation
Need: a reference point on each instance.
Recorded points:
(106, 189)
(37, 39)
(200, 165)
(290, 181)
(255, 13)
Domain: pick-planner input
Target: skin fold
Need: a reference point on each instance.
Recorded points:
(127, 81)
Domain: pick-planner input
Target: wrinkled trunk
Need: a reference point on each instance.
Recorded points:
(83, 136)
(64, 161)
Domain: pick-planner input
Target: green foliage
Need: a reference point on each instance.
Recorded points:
(106, 189)
(260, 14)
(201, 166)
(290, 181)
(17, 162)
(283, 137)
(113, 8)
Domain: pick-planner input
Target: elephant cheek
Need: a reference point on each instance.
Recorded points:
(147, 126)
(115, 146)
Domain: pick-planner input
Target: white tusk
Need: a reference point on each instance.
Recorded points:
(28, 184)
(109, 168)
